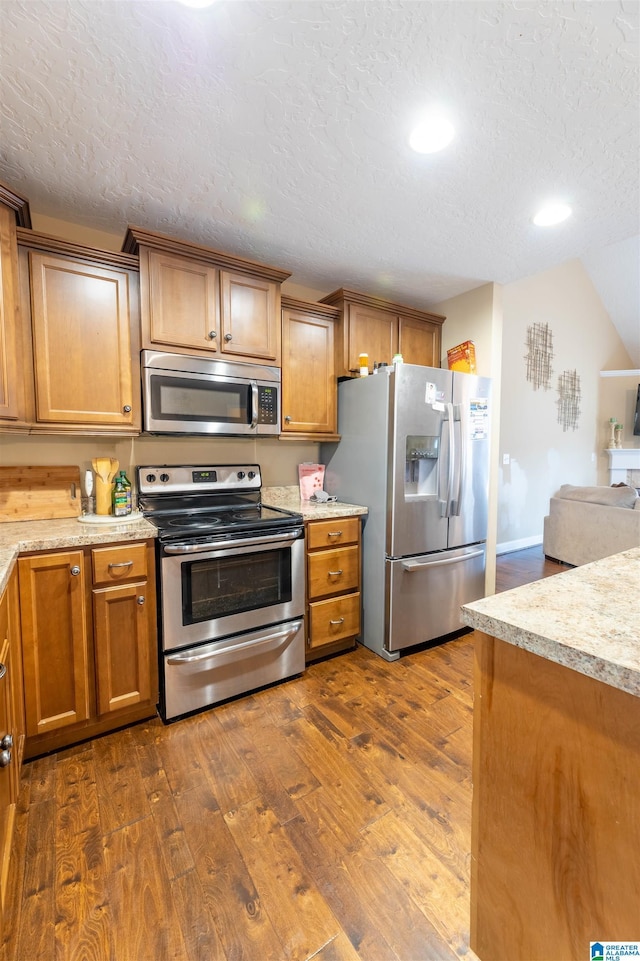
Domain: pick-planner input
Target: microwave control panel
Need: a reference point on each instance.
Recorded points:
(267, 405)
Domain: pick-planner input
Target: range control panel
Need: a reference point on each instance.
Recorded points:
(183, 479)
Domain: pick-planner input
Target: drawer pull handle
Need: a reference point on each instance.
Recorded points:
(121, 564)
(334, 573)
(339, 621)
(334, 534)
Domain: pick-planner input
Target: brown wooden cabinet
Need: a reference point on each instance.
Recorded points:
(11, 732)
(13, 210)
(89, 638)
(333, 585)
(309, 384)
(83, 331)
(198, 300)
(381, 329)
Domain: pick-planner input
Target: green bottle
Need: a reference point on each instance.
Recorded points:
(122, 495)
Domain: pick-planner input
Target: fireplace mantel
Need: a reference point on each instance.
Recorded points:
(621, 460)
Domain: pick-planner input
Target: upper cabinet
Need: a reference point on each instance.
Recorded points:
(14, 210)
(83, 332)
(198, 300)
(381, 329)
(309, 385)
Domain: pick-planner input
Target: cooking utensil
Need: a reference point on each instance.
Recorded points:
(105, 469)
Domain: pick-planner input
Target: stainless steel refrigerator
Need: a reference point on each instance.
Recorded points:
(415, 451)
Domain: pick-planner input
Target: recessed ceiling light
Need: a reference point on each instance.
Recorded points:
(552, 214)
(433, 133)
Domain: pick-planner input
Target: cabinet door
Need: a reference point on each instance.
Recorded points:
(123, 655)
(82, 343)
(419, 342)
(182, 303)
(9, 380)
(371, 331)
(309, 388)
(250, 317)
(55, 640)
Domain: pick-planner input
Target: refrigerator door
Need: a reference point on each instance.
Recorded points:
(470, 487)
(424, 595)
(419, 473)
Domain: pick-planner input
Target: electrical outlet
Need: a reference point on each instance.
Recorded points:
(505, 458)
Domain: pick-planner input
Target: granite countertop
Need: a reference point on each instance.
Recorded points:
(20, 537)
(586, 619)
(289, 499)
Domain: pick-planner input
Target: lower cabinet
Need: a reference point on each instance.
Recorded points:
(89, 642)
(333, 585)
(11, 727)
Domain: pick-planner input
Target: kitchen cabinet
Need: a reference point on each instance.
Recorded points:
(89, 641)
(309, 384)
(333, 557)
(14, 210)
(83, 332)
(381, 329)
(11, 729)
(196, 300)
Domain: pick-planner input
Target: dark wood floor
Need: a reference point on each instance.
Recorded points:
(325, 818)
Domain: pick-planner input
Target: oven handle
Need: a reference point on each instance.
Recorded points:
(272, 540)
(232, 652)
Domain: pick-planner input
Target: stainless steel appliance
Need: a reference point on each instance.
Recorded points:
(415, 451)
(182, 394)
(230, 584)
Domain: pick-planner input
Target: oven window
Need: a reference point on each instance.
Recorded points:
(230, 585)
(180, 398)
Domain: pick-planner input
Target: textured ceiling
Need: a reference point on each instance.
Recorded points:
(278, 131)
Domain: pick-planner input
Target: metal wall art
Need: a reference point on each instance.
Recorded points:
(568, 399)
(539, 355)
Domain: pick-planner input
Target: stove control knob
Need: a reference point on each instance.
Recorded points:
(252, 474)
(164, 478)
(240, 475)
(151, 478)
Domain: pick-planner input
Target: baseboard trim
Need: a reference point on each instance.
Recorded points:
(520, 545)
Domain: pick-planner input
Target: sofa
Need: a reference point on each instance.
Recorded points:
(587, 523)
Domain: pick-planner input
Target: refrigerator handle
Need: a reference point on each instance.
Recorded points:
(460, 453)
(451, 465)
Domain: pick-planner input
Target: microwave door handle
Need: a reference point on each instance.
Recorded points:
(254, 405)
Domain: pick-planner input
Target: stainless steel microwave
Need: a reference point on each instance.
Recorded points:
(182, 394)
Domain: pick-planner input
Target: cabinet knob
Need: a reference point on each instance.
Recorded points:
(141, 599)
(75, 570)
(3, 670)
(7, 742)
(127, 408)
(287, 419)
(228, 337)
(5, 758)
(213, 334)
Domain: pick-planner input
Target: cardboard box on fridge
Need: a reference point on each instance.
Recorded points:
(463, 357)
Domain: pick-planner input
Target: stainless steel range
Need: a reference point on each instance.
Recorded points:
(230, 583)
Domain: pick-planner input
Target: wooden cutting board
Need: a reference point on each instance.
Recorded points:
(39, 493)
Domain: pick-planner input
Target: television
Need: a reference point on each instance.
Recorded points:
(636, 416)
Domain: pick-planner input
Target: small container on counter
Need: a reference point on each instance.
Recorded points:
(364, 365)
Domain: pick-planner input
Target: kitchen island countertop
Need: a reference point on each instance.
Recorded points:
(585, 619)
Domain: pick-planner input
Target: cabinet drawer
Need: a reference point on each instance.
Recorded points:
(333, 533)
(114, 564)
(333, 572)
(334, 620)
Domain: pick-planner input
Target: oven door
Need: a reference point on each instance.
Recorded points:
(210, 591)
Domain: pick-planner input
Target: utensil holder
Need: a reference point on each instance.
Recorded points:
(103, 496)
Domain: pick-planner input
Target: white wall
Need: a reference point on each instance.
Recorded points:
(542, 455)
